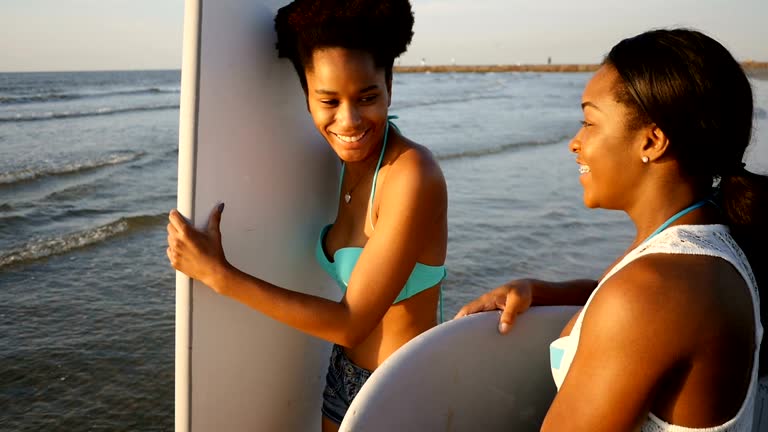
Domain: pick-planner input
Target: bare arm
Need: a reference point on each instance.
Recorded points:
(573, 292)
(402, 231)
(630, 337)
(516, 296)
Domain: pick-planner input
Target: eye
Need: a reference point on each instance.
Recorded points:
(329, 102)
(368, 99)
(585, 123)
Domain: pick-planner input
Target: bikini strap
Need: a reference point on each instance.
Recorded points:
(677, 216)
(341, 180)
(378, 165)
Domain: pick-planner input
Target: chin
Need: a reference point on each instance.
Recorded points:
(351, 156)
(590, 203)
(347, 155)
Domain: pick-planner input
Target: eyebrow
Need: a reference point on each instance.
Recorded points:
(331, 92)
(589, 104)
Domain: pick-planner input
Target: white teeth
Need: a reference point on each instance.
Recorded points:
(583, 169)
(350, 139)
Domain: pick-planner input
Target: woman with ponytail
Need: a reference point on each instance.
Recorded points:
(669, 338)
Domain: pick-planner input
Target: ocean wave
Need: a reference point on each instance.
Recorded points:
(474, 153)
(446, 101)
(72, 193)
(75, 114)
(29, 174)
(46, 247)
(59, 97)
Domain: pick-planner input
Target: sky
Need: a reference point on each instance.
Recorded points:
(66, 35)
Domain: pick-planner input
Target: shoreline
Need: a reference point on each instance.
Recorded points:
(498, 68)
(754, 69)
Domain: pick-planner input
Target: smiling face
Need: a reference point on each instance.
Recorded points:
(348, 97)
(607, 150)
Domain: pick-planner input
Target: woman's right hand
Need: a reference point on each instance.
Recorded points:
(198, 253)
(512, 299)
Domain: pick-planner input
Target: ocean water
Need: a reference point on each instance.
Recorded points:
(88, 175)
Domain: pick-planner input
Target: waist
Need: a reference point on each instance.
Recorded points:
(402, 322)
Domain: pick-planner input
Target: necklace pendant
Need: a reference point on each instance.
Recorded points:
(347, 197)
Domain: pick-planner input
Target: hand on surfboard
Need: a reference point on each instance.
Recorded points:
(512, 299)
(198, 253)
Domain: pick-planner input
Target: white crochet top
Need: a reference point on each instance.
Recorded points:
(711, 240)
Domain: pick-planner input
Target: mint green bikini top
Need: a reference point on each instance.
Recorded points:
(343, 261)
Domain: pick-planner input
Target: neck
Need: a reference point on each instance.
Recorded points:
(362, 167)
(653, 208)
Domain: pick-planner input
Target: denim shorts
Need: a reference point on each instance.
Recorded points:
(342, 383)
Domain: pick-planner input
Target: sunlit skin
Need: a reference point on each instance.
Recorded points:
(667, 334)
(348, 98)
(348, 95)
(349, 105)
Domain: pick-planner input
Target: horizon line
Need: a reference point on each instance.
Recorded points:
(517, 67)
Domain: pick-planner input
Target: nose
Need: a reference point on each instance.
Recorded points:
(575, 144)
(348, 116)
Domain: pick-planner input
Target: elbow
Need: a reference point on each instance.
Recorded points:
(354, 327)
(351, 338)
(355, 332)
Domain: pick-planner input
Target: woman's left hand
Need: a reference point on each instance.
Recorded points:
(197, 253)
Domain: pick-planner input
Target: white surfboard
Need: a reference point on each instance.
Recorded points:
(246, 139)
(464, 376)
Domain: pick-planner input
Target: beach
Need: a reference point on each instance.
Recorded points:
(88, 174)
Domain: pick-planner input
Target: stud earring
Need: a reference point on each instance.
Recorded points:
(645, 159)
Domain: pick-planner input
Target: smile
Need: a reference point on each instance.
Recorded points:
(350, 138)
(583, 169)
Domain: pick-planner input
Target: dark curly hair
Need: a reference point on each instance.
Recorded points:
(383, 28)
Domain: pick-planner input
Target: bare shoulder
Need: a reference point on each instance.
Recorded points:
(659, 292)
(418, 159)
(415, 170)
(413, 203)
(675, 279)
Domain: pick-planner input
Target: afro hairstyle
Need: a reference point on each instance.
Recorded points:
(383, 28)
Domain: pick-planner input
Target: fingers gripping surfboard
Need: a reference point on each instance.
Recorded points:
(245, 138)
(464, 376)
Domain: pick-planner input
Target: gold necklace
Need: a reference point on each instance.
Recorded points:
(348, 195)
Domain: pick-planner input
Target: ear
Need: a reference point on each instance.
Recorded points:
(656, 143)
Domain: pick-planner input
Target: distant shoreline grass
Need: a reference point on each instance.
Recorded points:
(498, 68)
(756, 69)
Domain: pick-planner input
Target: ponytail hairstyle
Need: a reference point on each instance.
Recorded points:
(692, 88)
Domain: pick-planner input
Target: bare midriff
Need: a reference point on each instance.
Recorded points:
(403, 321)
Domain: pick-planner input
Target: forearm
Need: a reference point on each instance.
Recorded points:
(317, 316)
(573, 292)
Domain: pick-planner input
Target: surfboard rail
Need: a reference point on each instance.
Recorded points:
(188, 109)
